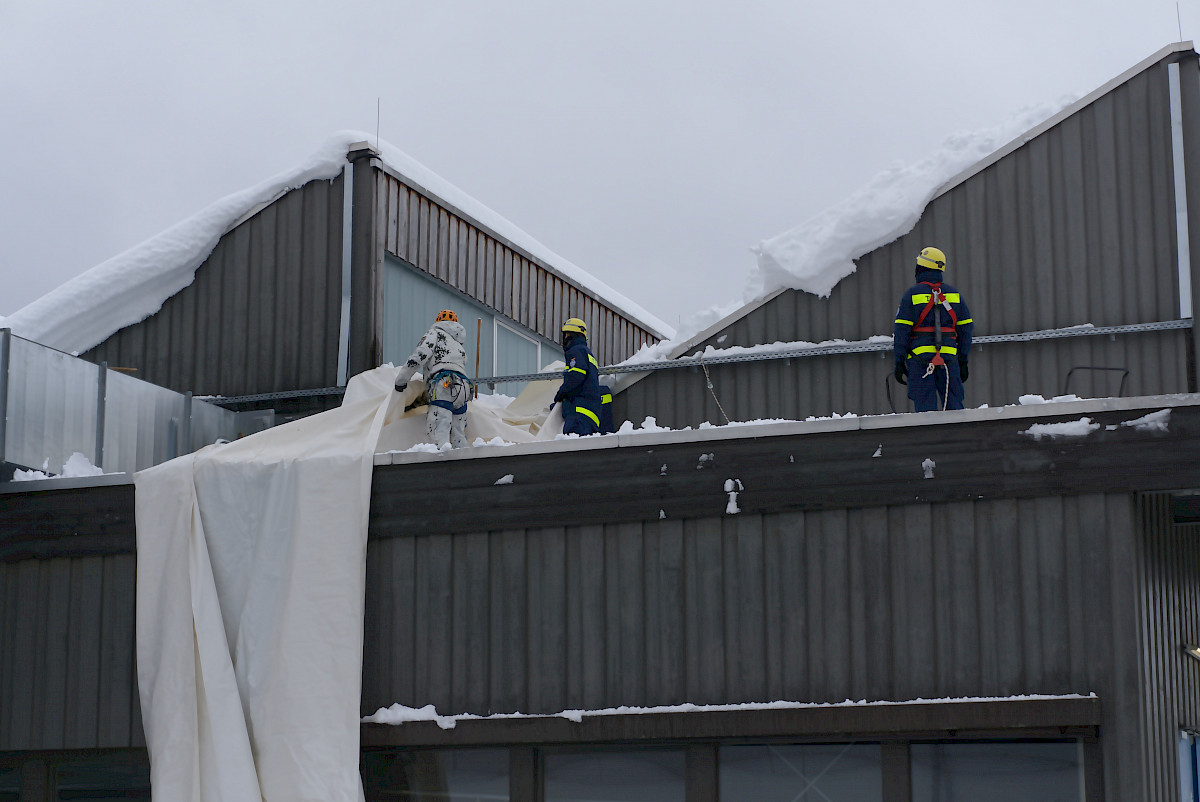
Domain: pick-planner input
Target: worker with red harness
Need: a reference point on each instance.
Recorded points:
(932, 337)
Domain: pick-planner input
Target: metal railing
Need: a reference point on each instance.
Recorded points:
(860, 347)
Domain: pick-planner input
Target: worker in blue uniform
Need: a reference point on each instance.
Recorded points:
(580, 390)
(932, 337)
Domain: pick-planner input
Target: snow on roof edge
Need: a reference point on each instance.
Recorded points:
(398, 714)
(133, 285)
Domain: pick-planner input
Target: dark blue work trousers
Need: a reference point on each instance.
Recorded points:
(934, 392)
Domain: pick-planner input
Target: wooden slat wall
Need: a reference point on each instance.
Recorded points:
(1171, 621)
(453, 249)
(1077, 226)
(974, 598)
(263, 313)
(67, 673)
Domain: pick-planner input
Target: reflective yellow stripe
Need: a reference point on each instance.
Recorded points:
(606, 399)
(929, 349)
(589, 413)
(581, 370)
(968, 320)
(905, 322)
(952, 297)
(592, 359)
(920, 298)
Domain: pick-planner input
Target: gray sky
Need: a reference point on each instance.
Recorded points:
(650, 143)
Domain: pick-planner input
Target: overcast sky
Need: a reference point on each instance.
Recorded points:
(650, 143)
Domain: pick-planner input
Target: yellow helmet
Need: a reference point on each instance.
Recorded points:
(576, 326)
(931, 259)
(447, 314)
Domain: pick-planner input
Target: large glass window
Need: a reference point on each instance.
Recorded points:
(445, 775)
(515, 354)
(996, 772)
(411, 300)
(801, 773)
(647, 775)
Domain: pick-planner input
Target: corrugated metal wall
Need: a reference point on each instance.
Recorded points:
(1172, 620)
(263, 313)
(1076, 226)
(67, 673)
(444, 244)
(922, 601)
(859, 383)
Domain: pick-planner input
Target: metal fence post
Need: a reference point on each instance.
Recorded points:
(5, 347)
(101, 396)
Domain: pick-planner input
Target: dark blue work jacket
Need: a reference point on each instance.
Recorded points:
(916, 337)
(581, 382)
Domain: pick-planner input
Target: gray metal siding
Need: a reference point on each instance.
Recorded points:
(974, 598)
(1172, 620)
(1076, 226)
(263, 312)
(454, 250)
(67, 673)
(822, 386)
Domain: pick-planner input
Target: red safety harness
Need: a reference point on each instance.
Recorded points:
(936, 298)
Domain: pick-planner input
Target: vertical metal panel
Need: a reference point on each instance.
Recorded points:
(1171, 620)
(1074, 227)
(261, 314)
(66, 663)
(52, 401)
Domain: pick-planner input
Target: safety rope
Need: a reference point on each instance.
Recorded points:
(708, 378)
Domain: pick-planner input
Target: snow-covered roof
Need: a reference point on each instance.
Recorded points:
(817, 254)
(133, 285)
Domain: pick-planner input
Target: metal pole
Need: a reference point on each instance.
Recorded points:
(185, 445)
(101, 396)
(5, 346)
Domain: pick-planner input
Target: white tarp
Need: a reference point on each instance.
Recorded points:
(250, 581)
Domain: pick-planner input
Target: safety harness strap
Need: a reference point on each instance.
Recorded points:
(936, 297)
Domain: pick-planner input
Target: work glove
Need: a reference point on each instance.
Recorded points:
(901, 372)
(400, 387)
(552, 403)
(962, 369)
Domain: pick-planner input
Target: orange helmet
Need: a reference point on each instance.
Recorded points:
(447, 314)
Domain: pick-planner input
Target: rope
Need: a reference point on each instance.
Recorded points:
(708, 378)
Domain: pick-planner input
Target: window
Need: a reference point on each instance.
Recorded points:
(10, 784)
(85, 781)
(445, 775)
(1189, 767)
(983, 772)
(800, 773)
(515, 354)
(648, 775)
(495, 346)
(411, 300)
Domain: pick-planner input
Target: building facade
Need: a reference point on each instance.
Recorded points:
(1075, 247)
(339, 276)
(751, 610)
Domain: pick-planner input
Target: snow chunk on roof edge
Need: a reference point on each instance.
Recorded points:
(817, 254)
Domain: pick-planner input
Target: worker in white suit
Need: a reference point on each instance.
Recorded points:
(441, 358)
